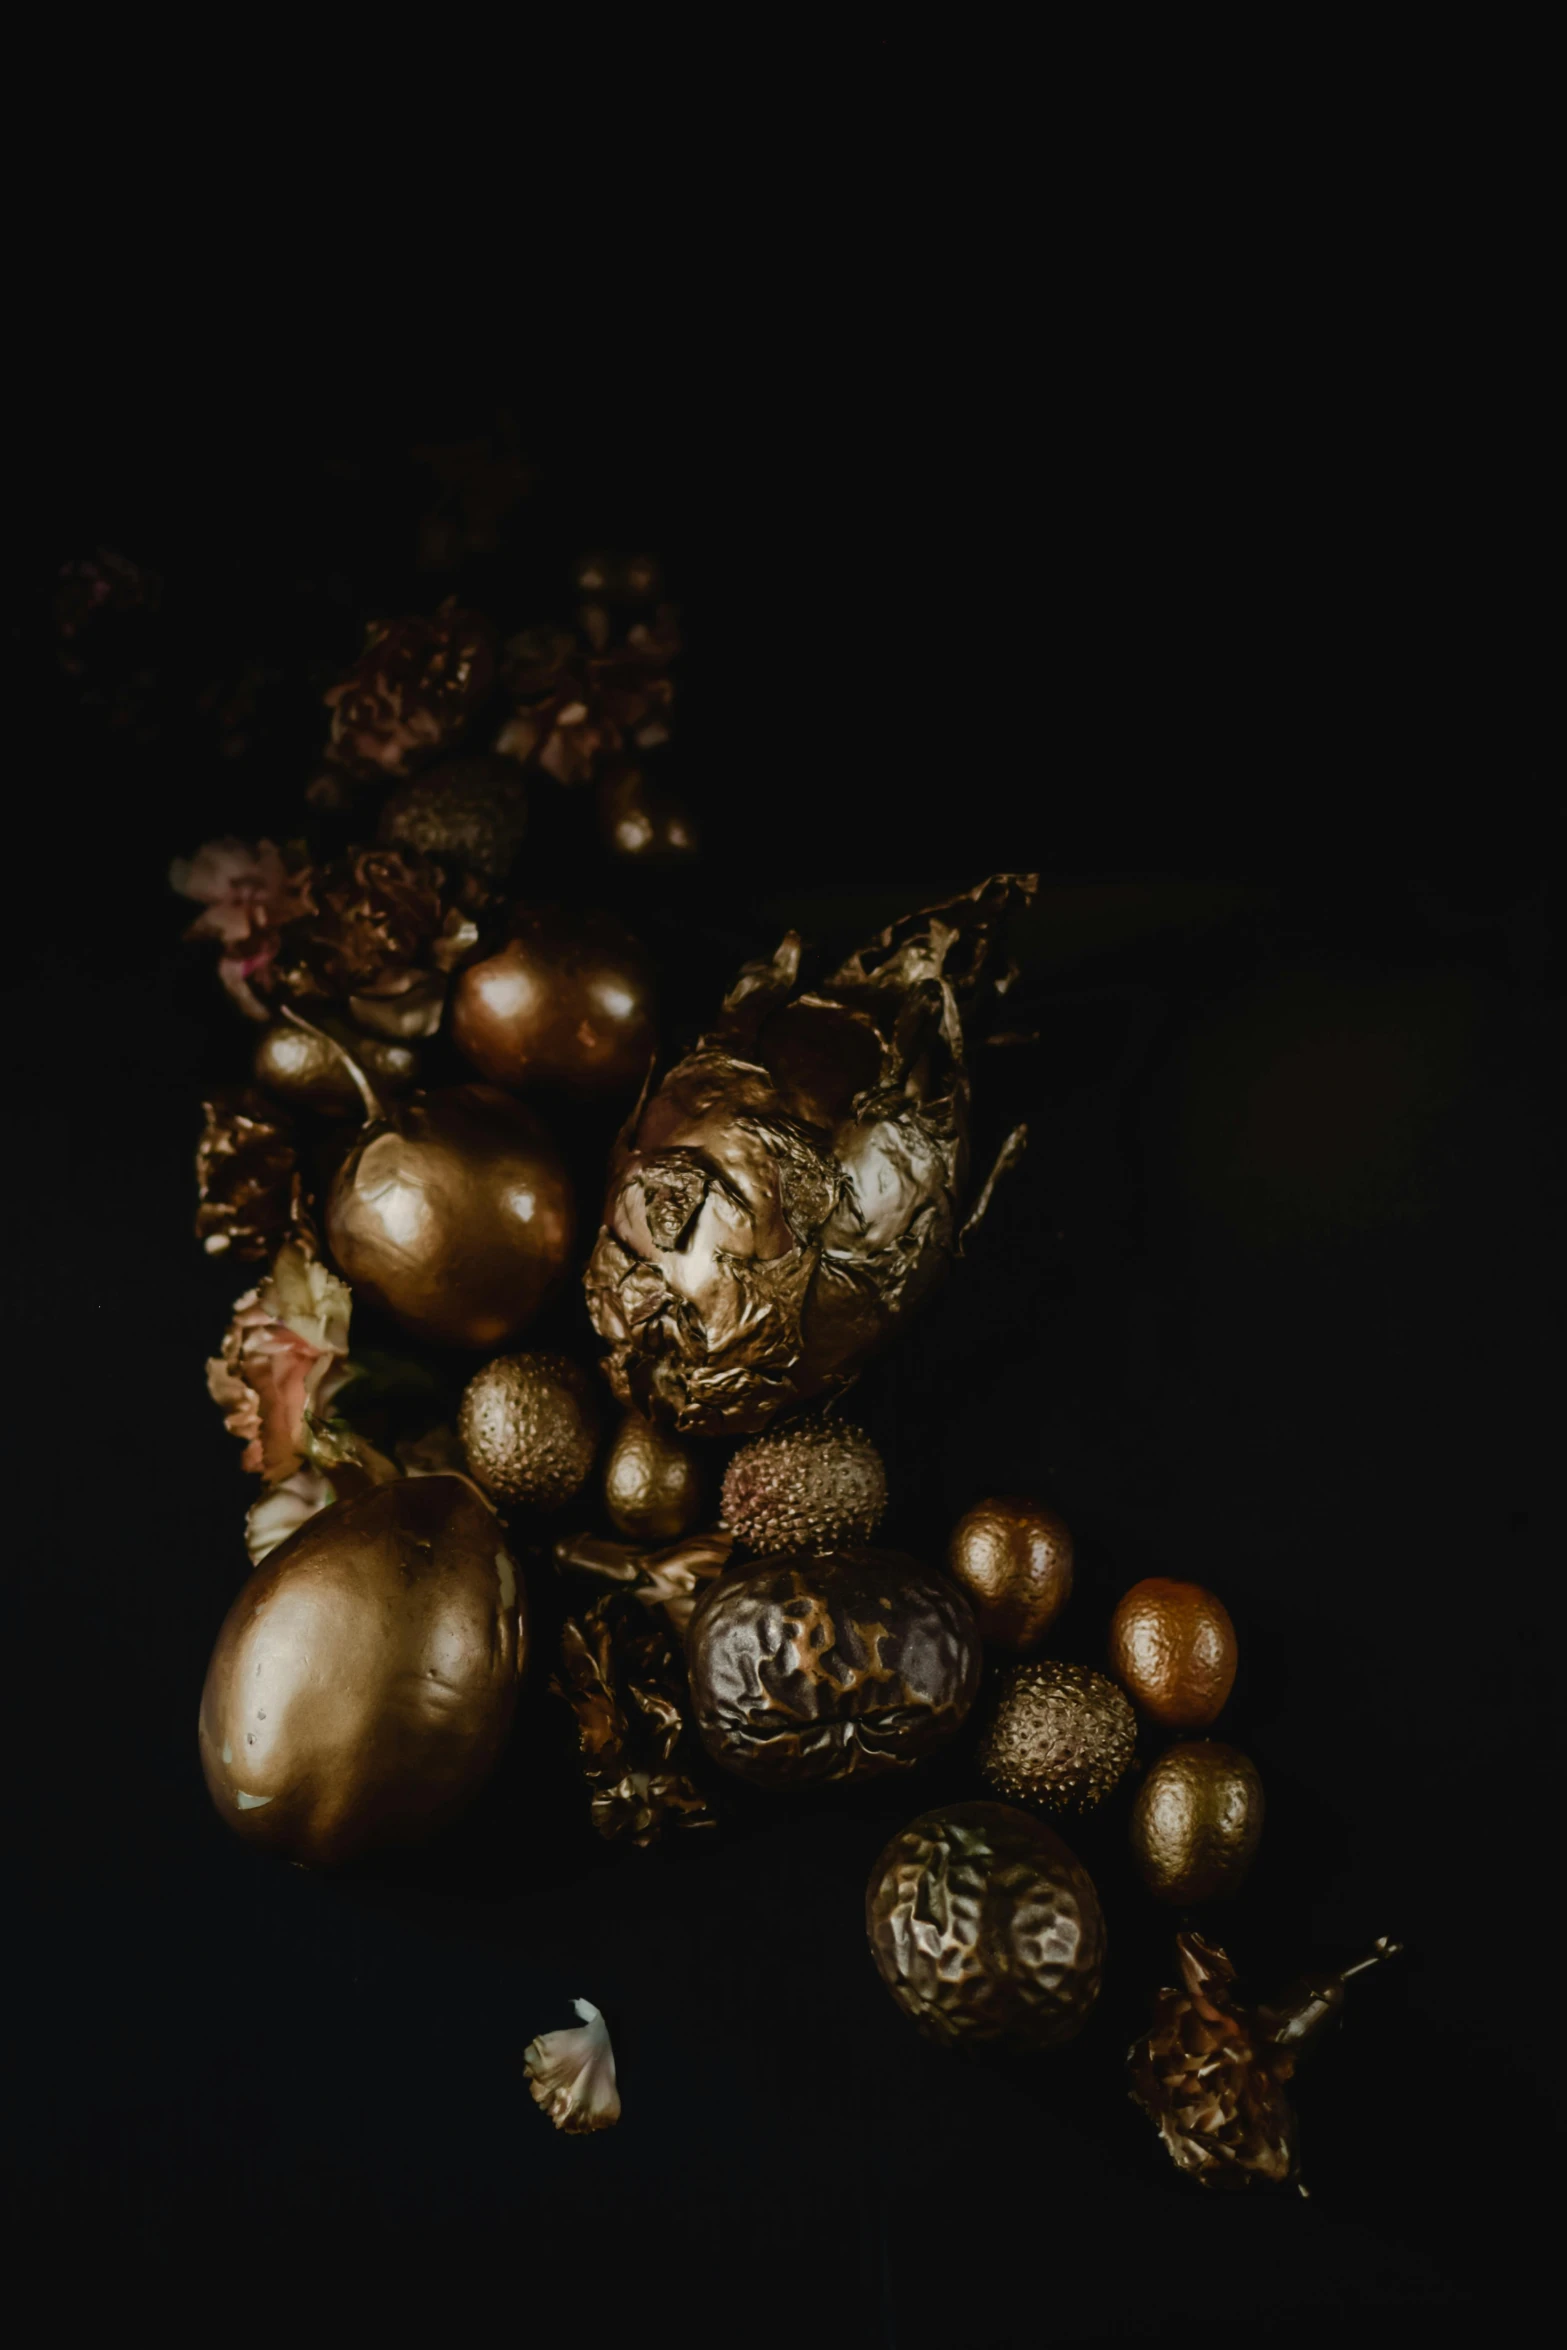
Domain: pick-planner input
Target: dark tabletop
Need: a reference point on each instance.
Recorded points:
(1266, 1306)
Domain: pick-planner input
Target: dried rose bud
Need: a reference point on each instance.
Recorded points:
(571, 2074)
(579, 699)
(247, 1178)
(622, 1672)
(384, 931)
(411, 692)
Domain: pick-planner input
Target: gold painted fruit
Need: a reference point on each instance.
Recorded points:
(567, 1001)
(1060, 1736)
(529, 1426)
(455, 1215)
(1013, 1560)
(809, 1487)
(363, 1684)
(652, 1483)
(986, 1928)
(1172, 1645)
(1197, 1821)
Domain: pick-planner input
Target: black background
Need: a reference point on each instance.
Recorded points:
(1251, 681)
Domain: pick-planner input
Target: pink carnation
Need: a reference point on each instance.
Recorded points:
(247, 894)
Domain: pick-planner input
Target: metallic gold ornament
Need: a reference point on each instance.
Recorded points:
(813, 1667)
(673, 1577)
(1173, 1646)
(306, 1066)
(529, 1425)
(986, 1928)
(1197, 1821)
(792, 1190)
(249, 1193)
(1210, 2072)
(1012, 1558)
(811, 1486)
(622, 1673)
(467, 812)
(454, 1213)
(643, 820)
(567, 1001)
(1060, 1737)
(652, 1482)
(363, 1684)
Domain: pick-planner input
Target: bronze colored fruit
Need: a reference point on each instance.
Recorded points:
(455, 1215)
(567, 1001)
(652, 1483)
(809, 1487)
(830, 1667)
(1060, 1736)
(1173, 1646)
(305, 1065)
(986, 1928)
(1197, 1821)
(1013, 1560)
(795, 1186)
(468, 812)
(363, 1684)
(529, 1425)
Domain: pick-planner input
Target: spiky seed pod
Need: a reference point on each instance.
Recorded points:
(812, 1487)
(1060, 1736)
(467, 812)
(529, 1428)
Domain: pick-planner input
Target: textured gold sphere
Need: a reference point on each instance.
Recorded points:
(1013, 1558)
(1197, 1821)
(471, 812)
(1061, 1736)
(529, 1427)
(1173, 1646)
(300, 1066)
(986, 1928)
(806, 1488)
(652, 1483)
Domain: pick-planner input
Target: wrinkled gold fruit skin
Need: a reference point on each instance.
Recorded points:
(814, 1668)
(1012, 1558)
(1197, 1821)
(529, 1425)
(363, 1684)
(986, 1928)
(567, 1001)
(301, 1067)
(1172, 1645)
(1060, 1736)
(652, 1483)
(456, 1217)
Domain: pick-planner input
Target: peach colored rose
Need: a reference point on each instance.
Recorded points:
(284, 1357)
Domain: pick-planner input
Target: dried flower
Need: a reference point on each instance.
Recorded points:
(283, 1359)
(284, 1508)
(580, 698)
(1210, 2073)
(672, 1577)
(411, 692)
(247, 1178)
(571, 2074)
(248, 895)
(623, 1674)
(382, 932)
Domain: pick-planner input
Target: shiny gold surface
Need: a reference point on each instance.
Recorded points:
(643, 820)
(986, 1928)
(792, 1190)
(811, 1486)
(1012, 1558)
(529, 1425)
(652, 1482)
(622, 1673)
(1059, 1736)
(363, 1683)
(300, 1065)
(1173, 1646)
(1210, 2071)
(456, 1216)
(567, 1001)
(848, 1665)
(1197, 1821)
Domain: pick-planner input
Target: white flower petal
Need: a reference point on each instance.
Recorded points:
(572, 2073)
